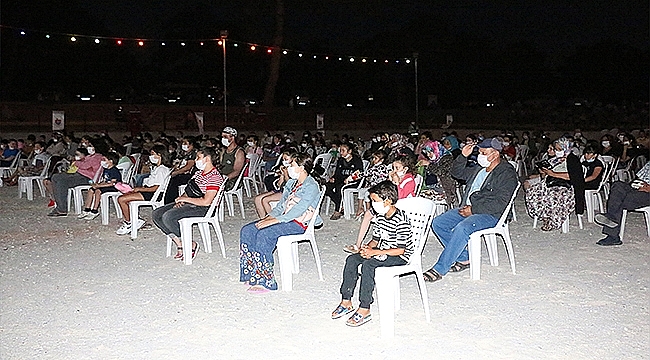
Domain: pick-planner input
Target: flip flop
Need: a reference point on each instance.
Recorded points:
(340, 311)
(357, 319)
(258, 290)
(352, 249)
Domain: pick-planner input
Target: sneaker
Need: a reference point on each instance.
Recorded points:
(83, 215)
(51, 203)
(55, 212)
(602, 219)
(609, 241)
(124, 229)
(92, 216)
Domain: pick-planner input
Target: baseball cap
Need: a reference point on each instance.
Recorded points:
(493, 143)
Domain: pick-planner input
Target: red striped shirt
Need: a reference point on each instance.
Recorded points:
(212, 180)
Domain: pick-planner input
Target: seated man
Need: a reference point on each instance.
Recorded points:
(487, 194)
(233, 156)
(623, 196)
(9, 153)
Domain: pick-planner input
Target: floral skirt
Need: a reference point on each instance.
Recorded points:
(551, 205)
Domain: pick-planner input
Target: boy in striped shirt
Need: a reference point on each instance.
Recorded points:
(391, 245)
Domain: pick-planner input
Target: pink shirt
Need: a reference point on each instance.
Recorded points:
(406, 187)
(89, 165)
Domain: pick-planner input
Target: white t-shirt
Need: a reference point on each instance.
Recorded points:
(157, 176)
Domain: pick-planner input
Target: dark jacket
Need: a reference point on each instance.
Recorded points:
(496, 191)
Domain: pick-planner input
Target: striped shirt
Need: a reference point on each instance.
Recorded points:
(394, 232)
(211, 180)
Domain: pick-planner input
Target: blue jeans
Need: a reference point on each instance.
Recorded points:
(453, 231)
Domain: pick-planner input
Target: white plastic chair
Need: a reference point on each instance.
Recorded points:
(235, 191)
(593, 198)
(646, 213)
(253, 174)
(324, 160)
(7, 171)
(565, 224)
(520, 159)
(75, 194)
(418, 184)
(474, 243)
(26, 183)
(287, 247)
(157, 200)
(203, 224)
(420, 212)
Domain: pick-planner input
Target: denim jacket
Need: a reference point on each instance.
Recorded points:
(299, 206)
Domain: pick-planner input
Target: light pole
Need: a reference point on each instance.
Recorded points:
(224, 36)
(417, 104)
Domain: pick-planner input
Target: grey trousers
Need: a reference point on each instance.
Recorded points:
(61, 183)
(166, 217)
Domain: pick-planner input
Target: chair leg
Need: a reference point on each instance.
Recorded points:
(286, 265)
(295, 258)
(186, 240)
(491, 245)
(565, 225)
(509, 249)
(623, 218)
(314, 249)
(217, 230)
(240, 198)
(133, 211)
(386, 305)
(204, 229)
(474, 248)
(423, 294)
(535, 222)
(104, 206)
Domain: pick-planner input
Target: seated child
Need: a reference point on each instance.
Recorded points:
(110, 176)
(391, 245)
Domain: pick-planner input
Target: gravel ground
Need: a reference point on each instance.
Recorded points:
(73, 289)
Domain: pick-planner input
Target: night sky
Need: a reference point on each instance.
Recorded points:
(514, 46)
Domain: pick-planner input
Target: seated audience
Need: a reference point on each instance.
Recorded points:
(275, 183)
(106, 183)
(233, 157)
(594, 168)
(348, 173)
(183, 170)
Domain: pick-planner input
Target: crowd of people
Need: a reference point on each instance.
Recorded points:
(474, 176)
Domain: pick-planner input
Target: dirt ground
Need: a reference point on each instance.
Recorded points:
(73, 289)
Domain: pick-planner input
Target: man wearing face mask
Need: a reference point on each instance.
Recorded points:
(489, 189)
(233, 157)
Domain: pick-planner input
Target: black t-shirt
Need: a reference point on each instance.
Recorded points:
(591, 166)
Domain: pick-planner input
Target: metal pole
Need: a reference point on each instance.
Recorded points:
(417, 104)
(224, 35)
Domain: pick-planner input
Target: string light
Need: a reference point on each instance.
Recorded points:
(201, 42)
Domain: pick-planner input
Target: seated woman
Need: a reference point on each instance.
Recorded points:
(161, 169)
(275, 184)
(207, 181)
(594, 166)
(376, 173)
(291, 216)
(558, 190)
(402, 176)
(183, 171)
(438, 168)
(347, 164)
(38, 162)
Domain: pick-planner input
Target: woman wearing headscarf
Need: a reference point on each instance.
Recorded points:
(450, 143)
(397, 146)
(438, 173)
(559, 189)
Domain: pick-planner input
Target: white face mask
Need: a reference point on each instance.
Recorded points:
(505, 143)
(559, 153)
(37, 151)
(105, 164)
(185, 147)
(577, 135)
(153, 159)
(590, 160)
(379, 207)
(77, 157)
(225, 142)
(200, 164)
(626, 143)
(605, 143)
(401, 173)
(483, 160)
(91, 150)
(250, 143)
(292, 172)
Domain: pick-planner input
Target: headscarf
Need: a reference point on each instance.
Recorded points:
(453, 141)
(434, 149)
(565, 144)
(398, 141)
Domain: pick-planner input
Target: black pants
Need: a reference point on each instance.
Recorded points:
(368, 266)
(172, 189)
(335, 192)
(623, 196)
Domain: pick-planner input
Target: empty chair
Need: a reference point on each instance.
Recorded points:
(420, 212)
(474, 243)
(203, 224)
(646, 214)
(287, 247)
(252, 177)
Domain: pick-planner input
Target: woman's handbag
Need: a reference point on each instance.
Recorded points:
(553, 181)
(193, 190)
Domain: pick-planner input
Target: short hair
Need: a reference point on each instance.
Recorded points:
(113, 157)
(408, 162)
(386, 190)
(165, 156)
(83, 151)
(590, 149)
(305, 161)
(206, 151)
(380, 154)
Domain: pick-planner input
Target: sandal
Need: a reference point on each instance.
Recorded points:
(458, 267)
(352, 249)
(357, 319)
(258, 289)
(195, 251)
(341, 310)
(431, 276)
(179, 252)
